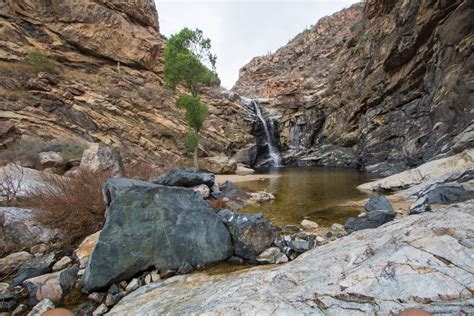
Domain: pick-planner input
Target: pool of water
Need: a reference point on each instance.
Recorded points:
(309, 193)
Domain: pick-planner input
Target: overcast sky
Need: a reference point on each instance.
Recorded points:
(242, 29)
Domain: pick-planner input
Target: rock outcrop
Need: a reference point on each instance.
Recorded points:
(421, 261)
(385, 87)
(91, 71)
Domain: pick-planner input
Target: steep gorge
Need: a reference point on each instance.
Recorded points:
(109, 85)
(383, 86)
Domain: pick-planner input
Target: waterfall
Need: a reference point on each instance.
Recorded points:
(269, 141)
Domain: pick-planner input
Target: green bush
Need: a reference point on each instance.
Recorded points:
(40, 62)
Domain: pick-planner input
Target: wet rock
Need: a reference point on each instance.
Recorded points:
(85, 249)
(235, 260)
(309, 225)
(185, 177)
(41, 308)
(261, 196)
(100, 158)
(22, 230)
(35, 267)
(52, 286)
(372, 220)
(133, 285)
(429, 257)
(12, 262)
(231, 191)
(247, 155)
(251, 234)
(155, 226)
(8, 299)
(290, 229)
(420, 206)
(63, 263)
(378, 203)
(185, 268)
(203, 190)
(336, 230)
(218, 165)
(272, 255)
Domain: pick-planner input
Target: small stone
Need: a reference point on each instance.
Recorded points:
(39, 249)
(203, 190)
(109, 300)
(132, 286)
(102, 309)
(261, 196)
(41, 308)
(62, 264)
(80, 273)
(235, 260)
(362, 214)
(147, 279)
(272, 255)
(225, 199)
(8, 299)
(85, 249)
(123, 284)
(420, 206)
(113, 289)
(290, 229)
(309, 225)
(167, 273)
(300, 245)
(185, 268)
(155, 276)
(10, 263)
(20, 310)
(96, 297)
(320, 240)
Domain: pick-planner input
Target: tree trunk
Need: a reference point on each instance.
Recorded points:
(196, 162)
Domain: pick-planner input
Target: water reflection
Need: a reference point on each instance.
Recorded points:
(312, 193)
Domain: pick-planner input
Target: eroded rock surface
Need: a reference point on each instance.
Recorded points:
(423, 261)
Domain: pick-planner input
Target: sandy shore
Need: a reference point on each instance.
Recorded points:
(221, 178)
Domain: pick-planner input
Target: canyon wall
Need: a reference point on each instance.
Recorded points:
(92, 71)
(383, 86)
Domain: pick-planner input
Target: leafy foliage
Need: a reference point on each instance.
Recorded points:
(191, 141)
(196, 111)
(186, 56)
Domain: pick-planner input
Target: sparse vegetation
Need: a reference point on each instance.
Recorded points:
(11, 178)
(40, 62)
(74, 204)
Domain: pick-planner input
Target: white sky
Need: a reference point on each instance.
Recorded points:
(242, 29)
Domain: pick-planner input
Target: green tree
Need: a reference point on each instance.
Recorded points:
(190, 63)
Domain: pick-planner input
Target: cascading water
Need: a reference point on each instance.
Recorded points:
(273, 158)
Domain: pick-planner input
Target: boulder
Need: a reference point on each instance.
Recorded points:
(415, 261)
(35, 267)
(12, 262)
(378, 203)
(373, 219)
(272, 255)
(52, 160)
(113, 185)
(100, 158)
(218, 165)
(185, 177)
(251, 233)
(63, 263)
(41, 308)
(161, 227)
(52, 286)
(20, 229)
(247, 155)
(242, 170)
(309, 225)
(420, 206)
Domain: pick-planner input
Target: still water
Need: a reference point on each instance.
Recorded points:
(312, 193)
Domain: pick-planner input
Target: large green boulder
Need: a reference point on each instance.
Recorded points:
(155, 226)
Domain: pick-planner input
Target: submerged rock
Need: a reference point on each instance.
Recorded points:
(157, 226)
(251, 233)
(422, 262)
(185, 177)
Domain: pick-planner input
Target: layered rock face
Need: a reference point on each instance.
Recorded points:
(385, 86)
(108, 85)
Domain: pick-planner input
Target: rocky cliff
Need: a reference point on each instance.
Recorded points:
(92, 71)
(383, 86)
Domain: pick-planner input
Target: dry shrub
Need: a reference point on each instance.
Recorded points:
(219, 203)
(74, 204)
(11, 177)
